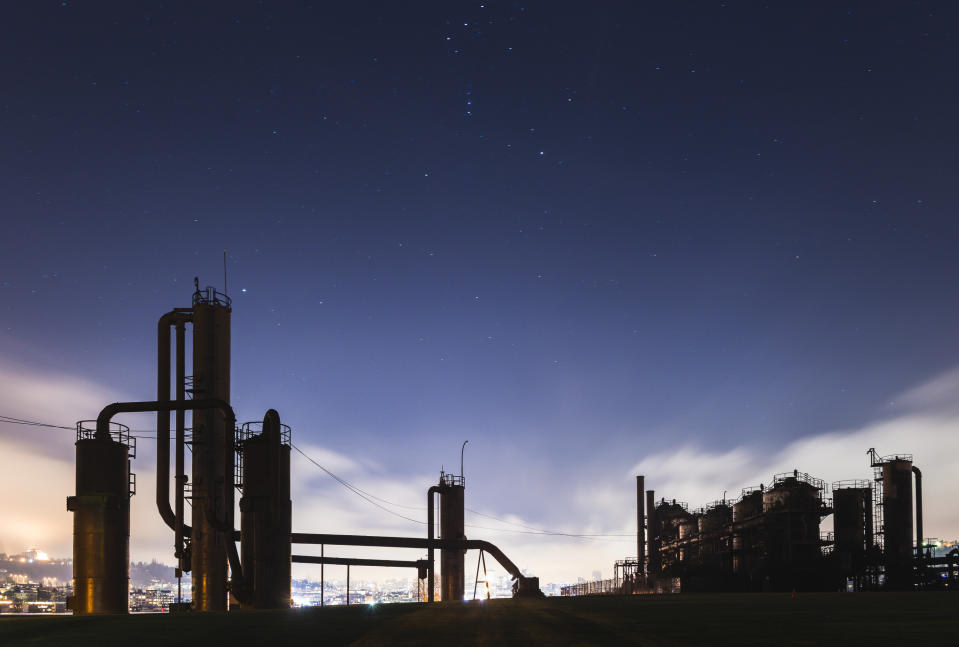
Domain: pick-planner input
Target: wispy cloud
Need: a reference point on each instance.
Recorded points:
(923, 421)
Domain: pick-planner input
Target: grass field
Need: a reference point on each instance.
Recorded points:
(715, 620)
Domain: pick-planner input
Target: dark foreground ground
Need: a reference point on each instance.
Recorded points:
(715, 620)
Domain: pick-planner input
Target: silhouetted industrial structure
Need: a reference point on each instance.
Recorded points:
(254, 458)
(769, 539)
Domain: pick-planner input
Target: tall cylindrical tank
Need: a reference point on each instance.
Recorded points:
(101, 522)
(897, 522)
(714, 542)
(747, 517)
(211, 464)
(266, 513)
(715, 519)
(852, 525)
(452, 561)
(750, 505)
(791, 524)
(671, 516)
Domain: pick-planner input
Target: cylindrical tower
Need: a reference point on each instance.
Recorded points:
(714, 540)
(897, 521)
(266, 511)
(852, 526)
(101, 520)
(670, 517)
(791, 510)
(747, 521)
(452, 561)
(211, 464)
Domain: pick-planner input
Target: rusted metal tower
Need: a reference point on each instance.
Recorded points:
(452, 491)
(265, 510)
(211, 379)
(101, 520)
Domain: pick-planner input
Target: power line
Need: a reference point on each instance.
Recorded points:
(534, 530)
(368, 496)
(138, 433)
(355, 490)
(528, 530)
(32, 423)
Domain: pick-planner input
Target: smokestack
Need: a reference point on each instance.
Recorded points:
(640, 525)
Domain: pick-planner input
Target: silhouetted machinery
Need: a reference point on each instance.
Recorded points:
(770, 540)
(254, 458)
(266, 511)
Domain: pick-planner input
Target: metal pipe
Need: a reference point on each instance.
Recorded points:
(640, 525)
(175, 316)
(919, 537)
(652, 536)
(430, 573)
(358, 561)
(226, 526)
(410, 542)
(180, 474)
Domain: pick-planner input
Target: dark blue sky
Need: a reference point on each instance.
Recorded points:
(572, 233)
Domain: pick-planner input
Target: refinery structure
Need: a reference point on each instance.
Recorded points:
(767, 539)
(252, 459)
(770, 538)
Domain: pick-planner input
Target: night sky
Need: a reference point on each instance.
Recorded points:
(586, 237)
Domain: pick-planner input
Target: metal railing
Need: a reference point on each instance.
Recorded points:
(242, 434)
(87, 430)
(801, 477)
(852, 484)
(452, 479)
(749, 491)
(681, 504)
(209, 296)
(249, 429)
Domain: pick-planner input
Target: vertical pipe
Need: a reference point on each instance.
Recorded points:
(180, 439)
(177, 316)
(322, 578)
(347, 584)
(429, 533)
(640, 525)
(163, 419)
(919, 537)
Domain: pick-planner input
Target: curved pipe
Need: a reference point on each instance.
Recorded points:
(919, 535)
(410, 542)
(226, 526)
(429, 533)
(178, 316)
